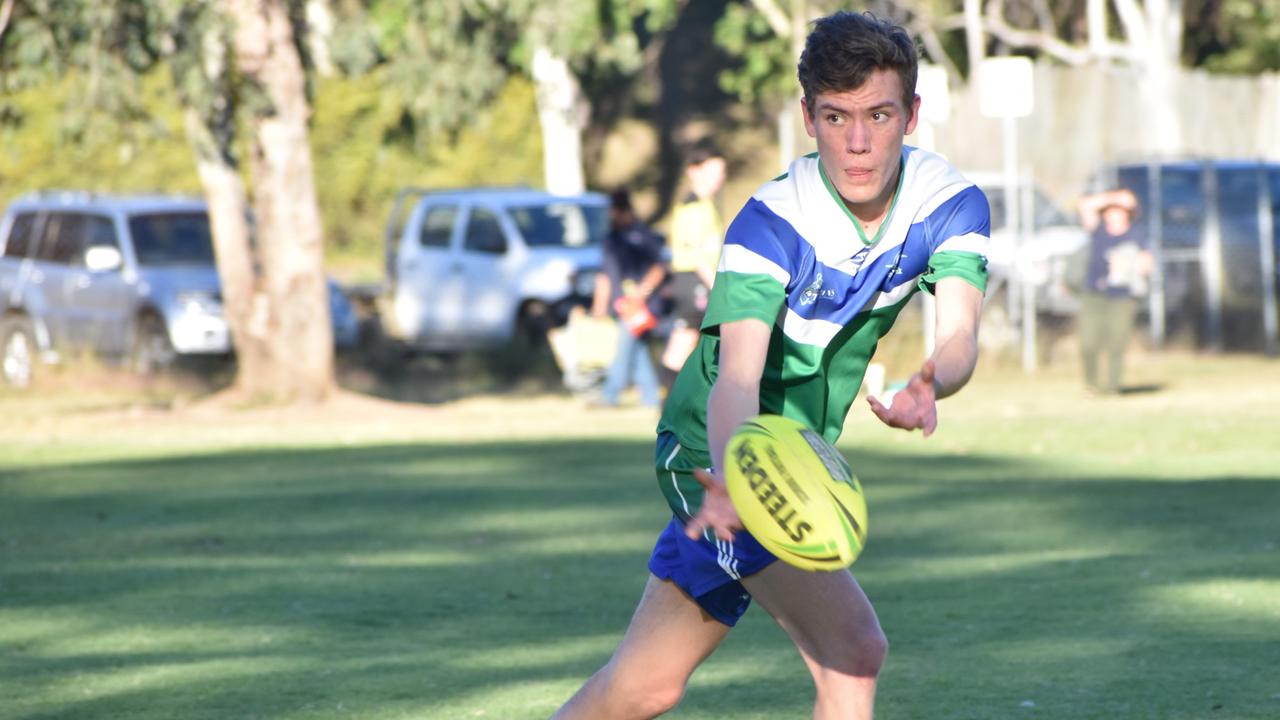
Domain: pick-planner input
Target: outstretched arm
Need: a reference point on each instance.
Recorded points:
(948, 369)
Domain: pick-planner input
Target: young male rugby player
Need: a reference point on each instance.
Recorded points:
(814, 271)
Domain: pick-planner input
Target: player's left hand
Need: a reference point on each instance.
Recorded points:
(914, 407)
(717, 512)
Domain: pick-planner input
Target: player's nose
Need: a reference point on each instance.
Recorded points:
(857, 140)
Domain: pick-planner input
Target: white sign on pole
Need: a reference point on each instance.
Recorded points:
(1006, 87)
(1006, 91)
(935, 95)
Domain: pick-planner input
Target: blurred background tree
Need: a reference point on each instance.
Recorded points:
(232, 66)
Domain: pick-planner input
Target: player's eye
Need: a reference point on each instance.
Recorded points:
(835, 118)
(879, 116)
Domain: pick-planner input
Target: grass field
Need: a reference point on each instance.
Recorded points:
(1045, 555)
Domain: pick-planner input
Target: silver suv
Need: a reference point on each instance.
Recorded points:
(1041, 260)
(472, 268)
(128, 278)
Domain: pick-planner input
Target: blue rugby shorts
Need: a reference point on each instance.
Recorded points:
(708, 570)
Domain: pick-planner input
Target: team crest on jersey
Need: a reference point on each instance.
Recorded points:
(815, 291)
(810, 294)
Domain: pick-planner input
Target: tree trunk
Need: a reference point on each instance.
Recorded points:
(299, 334)
(975, 40)
(562, 113)
(1162, 57)
(232, 240)
(320, 23)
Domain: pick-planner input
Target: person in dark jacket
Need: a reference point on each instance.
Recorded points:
(633, 269)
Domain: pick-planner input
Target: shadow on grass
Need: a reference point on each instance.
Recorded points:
(444, 580)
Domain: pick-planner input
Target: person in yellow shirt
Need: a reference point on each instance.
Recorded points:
(697, 234)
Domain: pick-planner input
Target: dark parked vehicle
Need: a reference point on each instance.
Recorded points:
(1214, 229)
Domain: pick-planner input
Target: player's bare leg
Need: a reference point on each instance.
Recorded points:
(832, 623)
(669, 636)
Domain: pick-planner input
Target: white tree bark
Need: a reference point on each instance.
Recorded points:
(242, 302)
(975, 38)
(289, 235)
(562, 114)
(1161, 59)
(1153, 43)
(319, 33)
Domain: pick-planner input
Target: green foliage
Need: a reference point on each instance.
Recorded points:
(361, 160)
(45, 147)
(767, 70)
(1246, 38)
(439, 59)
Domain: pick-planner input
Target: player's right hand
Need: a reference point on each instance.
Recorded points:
(717, 512)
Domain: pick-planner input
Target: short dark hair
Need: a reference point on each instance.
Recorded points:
(846, 47)
(620, 199)
(700, 152)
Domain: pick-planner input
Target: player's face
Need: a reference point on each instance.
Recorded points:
(859, 134)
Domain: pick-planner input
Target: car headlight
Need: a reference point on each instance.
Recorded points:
(199, 303)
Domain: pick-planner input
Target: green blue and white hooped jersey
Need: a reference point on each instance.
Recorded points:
(795, 258)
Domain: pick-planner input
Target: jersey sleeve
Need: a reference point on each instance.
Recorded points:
(756, 266)
(959, 233)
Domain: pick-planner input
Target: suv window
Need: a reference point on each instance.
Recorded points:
(565, 224)
(1047, 214)
(484, 234)
(102, 233)
(1182, 197)
(181, 238)
(63, 239)
(20, 235)
(437, 226)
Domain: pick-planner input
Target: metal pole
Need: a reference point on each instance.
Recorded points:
(1029, 288)
(1155, 229)
(1011, 219)
(1267, 255)
(1211, 258)
(1019, 288)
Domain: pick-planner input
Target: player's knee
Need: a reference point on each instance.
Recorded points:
(862, 655)
(643, 697)
(647, 701)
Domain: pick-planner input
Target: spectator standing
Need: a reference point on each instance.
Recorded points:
(697, 234)
(1116, 267)
(632, 271)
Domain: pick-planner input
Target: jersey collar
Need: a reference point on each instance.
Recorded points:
(857, 224)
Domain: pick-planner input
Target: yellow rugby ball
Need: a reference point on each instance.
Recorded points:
(795, 493)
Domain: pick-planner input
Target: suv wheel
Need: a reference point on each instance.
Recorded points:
(152, 351)
(18, 351)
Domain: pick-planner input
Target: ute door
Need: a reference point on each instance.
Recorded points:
(97, 295)
(489, 297)
(427, 249)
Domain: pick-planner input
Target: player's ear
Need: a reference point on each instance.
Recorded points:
(806, 109)
(914, 115)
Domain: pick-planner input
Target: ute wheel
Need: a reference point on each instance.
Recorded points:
(153, 353)
(18, 352)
